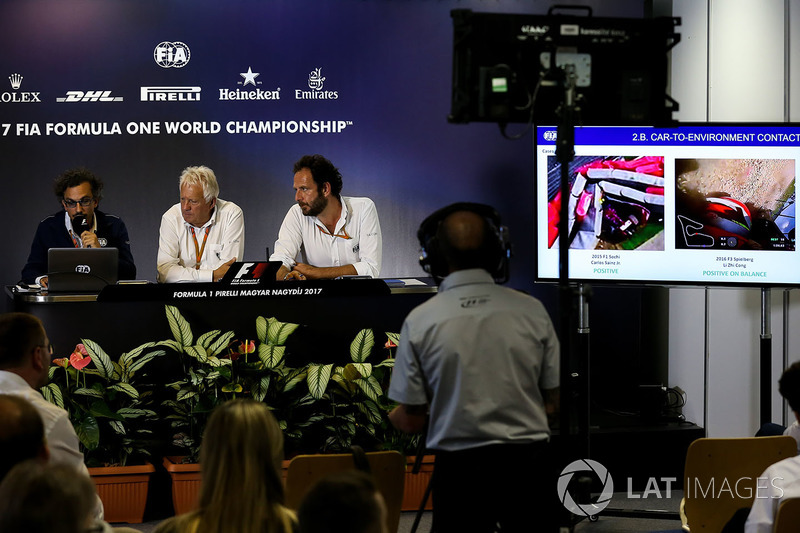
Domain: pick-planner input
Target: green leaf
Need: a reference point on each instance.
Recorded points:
(232, 387)
(143, 360)
(318, 378)
(370, 387)
(52, 393)
(261, 329)
(129, 412)
(127, 388)
(221, 343)
(295, 377)
(185, 394)
(198, 352)
(88, 432)
(179, 326)
(372, 411)
(362, 345)
(270, 354)
(128, 357)
(394, 337)
(100, 358)
(364, 370)
(206, 339)
(260, 388)
(278, 332)
(99, 408)
(117, 426)
(88, 392)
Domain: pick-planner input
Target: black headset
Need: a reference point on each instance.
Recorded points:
(497, 246)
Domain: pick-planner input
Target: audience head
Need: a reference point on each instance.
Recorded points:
(21, 433)
(344, 502)
(240, 458)
(24, 348)
(322, 170)
(36, 497)
(789, 386)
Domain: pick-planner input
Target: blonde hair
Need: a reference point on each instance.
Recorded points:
(203, 177)
(240, 460)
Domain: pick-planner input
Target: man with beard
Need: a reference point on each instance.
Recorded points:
(326, 235)
(81, 224)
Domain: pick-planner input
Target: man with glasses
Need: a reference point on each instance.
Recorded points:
(80, 224)
(25, 356)
(326, 235)
(202, 235)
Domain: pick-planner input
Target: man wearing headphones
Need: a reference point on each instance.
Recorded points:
(478, 363)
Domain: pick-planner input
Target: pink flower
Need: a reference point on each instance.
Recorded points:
(80, 357)
(389, 345)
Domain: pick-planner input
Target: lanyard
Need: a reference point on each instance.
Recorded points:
(198, 250)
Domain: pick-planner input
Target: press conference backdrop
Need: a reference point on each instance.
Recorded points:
(136, 90)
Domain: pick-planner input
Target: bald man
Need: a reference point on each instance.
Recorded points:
(478, 363)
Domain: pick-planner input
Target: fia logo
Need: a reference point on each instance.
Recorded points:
(83, 269)
(550, 135)
(315, 79)
(172, 54)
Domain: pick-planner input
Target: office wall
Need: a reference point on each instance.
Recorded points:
(732, 65)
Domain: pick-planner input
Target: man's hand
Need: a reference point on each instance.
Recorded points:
(43, 282)
(306, 271)
(89, 240)
(220, 271)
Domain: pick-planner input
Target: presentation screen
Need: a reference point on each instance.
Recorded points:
(693, 204)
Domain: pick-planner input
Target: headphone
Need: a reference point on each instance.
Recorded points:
(496, 247)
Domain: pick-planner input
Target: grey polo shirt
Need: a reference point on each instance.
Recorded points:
(480, 355)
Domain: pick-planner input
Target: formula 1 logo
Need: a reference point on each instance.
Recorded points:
(172, 54)
(89, 96)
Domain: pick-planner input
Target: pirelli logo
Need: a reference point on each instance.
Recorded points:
(170, 94)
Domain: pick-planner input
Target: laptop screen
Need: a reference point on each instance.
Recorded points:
(81, 269)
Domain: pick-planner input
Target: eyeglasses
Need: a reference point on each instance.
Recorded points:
(48, 346)
(86, 201)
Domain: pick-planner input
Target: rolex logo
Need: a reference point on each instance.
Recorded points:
(16, 81)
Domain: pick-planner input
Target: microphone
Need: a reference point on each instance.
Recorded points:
(80, 224)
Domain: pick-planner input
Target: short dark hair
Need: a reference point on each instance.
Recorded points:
(322, 171)
(19, 333)
(789, 386)
(21, 432)
(38, 496)
(74, 177)
(344, 502)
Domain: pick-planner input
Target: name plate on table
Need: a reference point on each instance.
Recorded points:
(170, 292)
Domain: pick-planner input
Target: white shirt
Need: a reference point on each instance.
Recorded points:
(794, 431)
(357, 240)
(779, 482)
(62, 441)
(176, 247)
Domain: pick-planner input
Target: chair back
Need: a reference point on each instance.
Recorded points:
(387, 468)
(788, 517)
(720, 476)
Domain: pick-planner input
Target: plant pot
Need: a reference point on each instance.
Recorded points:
(123, 491)
(186, 482)
(417, 484)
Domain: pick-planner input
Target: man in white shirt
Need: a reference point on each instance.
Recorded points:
(326, 235)
(25, 353)
(781, 480)
(202, 235)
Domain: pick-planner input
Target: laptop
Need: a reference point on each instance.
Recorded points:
(251, 273)
(81, 269)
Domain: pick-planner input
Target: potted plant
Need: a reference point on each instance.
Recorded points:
(112, 415)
